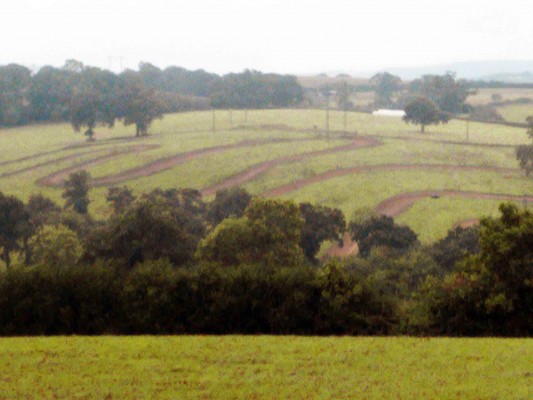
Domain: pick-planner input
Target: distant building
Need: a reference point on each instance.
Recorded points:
(389, 113)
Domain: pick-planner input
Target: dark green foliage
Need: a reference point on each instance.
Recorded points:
(76, 191)
(320, 224)
(15, 81)
(14, 226)
(381, 231)
(121, 198)
(422, 111)
(524, 153)
(492, 292)
(50, 94)
(447, 93)
(457, 245)
(228, 203)
(385, 86)
(138, 104)
(252, 89)
(268, 234)
(94, 99)
(148, 230)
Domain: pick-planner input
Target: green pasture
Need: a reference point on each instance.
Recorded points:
(483, 96)
(284, 133)
(264, 367)
(516, 112)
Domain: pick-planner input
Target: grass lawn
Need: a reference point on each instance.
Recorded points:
(264, 367)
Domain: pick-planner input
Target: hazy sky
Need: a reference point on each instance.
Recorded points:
(293, 36)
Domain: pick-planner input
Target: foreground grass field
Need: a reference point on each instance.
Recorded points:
(263, 367)
(276, 149)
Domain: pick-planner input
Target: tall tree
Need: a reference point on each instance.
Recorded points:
(385, 86)
(76, 191)
(382, 231)
(422, 111)
(94, 100)
(140, 106)
(15, 81)
(320, 224)
(14, 226)
(524, 153)
(445, 91)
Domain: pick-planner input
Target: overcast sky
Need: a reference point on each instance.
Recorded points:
(290, 36)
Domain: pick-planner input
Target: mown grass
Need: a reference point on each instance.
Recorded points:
(178, 133)
(263, 367)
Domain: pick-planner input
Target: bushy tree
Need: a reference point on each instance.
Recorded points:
(382, 231)
(56, 247)
(76, 191)
(320, 224)
(139, 105)
(14, 226)
(456, 246)
(445, 91)
(422, 111)
(15, 81)
(524, 153)
(491, 292)
(120, 198)
(94, 100)
(268, 234)
(150, 229)
(385, 86)
(228, 203)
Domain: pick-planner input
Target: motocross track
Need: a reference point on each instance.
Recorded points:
(258, 169)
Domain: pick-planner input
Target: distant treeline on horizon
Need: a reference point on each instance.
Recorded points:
(48, 94)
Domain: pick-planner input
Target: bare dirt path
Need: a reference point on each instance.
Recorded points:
(45, 163)
(348, 248)
(298, 184)
(153, 167)
(397, 205)
(258, 169)
(56, 178)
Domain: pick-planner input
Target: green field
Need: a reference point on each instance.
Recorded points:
(245, 140)
(263, 367)
(516, 112)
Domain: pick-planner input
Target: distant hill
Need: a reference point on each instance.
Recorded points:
(515, 71)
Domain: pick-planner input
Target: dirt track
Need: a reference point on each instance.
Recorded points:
(56, 178)
(296, 185)
(152, 168)
(397, 205)
(258, 169)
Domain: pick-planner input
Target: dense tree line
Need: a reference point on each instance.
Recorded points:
(87, 96)
(169, 262)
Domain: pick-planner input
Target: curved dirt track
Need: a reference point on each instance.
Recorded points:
(258, 169)
(45, 163)
(296, 185)
(397, 205)
(153, 167)
(56, 178)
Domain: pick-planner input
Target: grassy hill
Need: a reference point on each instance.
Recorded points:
(282, 153)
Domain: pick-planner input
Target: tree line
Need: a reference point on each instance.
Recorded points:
(166, 261)
(87, 96)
